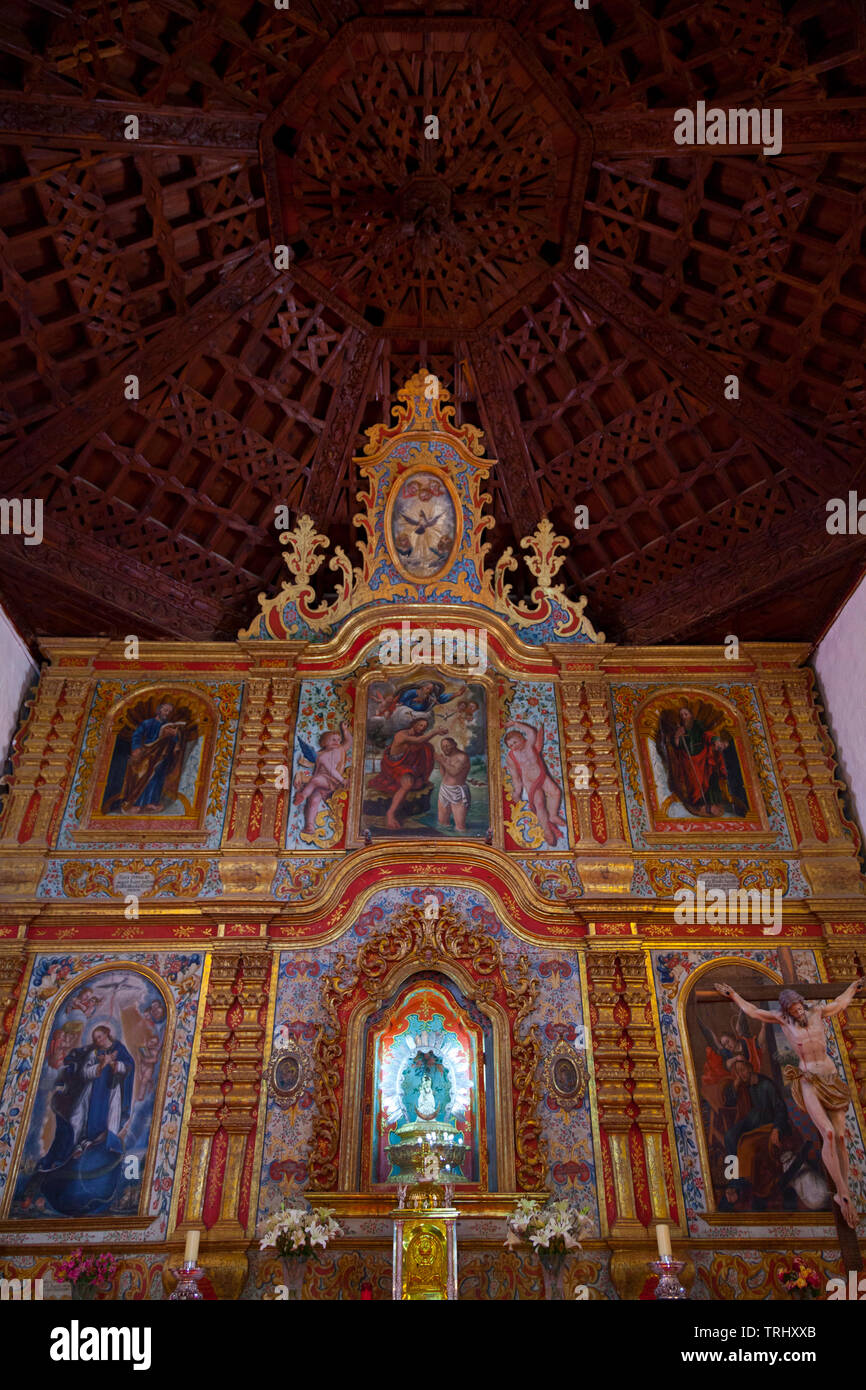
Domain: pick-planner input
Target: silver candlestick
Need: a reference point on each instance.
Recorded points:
(668, 1285)
(187, 1279)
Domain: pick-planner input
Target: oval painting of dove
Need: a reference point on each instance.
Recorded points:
(422, 523)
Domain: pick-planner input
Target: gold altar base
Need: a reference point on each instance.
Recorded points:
(425, 1246)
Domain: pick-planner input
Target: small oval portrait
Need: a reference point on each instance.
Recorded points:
(422, 523)
(566, 1077)
(287, 1074)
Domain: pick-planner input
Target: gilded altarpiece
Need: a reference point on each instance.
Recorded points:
(254, 869)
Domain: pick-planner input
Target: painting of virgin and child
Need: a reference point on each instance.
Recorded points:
(155, 759)
(425, 758)
(86, 1146)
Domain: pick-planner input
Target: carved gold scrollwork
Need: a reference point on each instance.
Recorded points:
(409, 939)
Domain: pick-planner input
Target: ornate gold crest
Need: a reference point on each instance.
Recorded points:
(423, 524)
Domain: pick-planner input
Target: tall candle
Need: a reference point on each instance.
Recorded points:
(190, 1254)
(663, 1236)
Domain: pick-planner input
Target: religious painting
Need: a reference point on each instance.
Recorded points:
(426, 1058)
(320, 770)
(153, 764)
(762, 1153)
(697, 766)
(425, 770)
(535, 805)
(422, 523)
(93, 1101)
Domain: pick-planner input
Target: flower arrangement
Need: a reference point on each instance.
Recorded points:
(297, 1230)
(552, 1230)
(78, 1268)
(801, 1280)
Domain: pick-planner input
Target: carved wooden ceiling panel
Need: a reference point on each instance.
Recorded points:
(600, 387)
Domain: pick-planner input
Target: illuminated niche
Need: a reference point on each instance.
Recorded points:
(426, 1051)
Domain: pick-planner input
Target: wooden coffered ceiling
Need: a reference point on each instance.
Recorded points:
(603, 387)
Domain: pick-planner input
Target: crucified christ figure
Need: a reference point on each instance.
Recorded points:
(815, 1085)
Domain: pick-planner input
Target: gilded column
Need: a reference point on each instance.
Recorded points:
(207, 1096)
(258, 806)
(605, 762)
(246, 767)
(842, 961)
(649, 1083)
(13, 964)
(617, 1111)
(809, 778)
(629, 1084)
(275, 751)
(243, 1072)
(606, 863)
(44, 755)
(578, 761)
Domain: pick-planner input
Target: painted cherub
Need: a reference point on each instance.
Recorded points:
(328, 767)
(533, 782)
(462, 722)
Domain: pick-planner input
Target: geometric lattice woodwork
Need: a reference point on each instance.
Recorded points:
(602, 388)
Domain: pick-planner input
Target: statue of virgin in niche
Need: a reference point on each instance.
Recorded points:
(425, 1087)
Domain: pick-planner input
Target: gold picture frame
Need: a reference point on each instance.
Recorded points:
(143, 1218)
(355, 833)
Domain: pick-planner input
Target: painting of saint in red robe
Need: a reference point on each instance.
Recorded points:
(154, 761)
(698, 752)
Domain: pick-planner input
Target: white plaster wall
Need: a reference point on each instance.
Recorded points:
(17, 672)
(840, 661)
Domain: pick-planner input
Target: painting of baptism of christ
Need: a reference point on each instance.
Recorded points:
(425, 770)
(421, 524)
(746, 1107)
(86, 1148)
(696, 766)
(152, 766)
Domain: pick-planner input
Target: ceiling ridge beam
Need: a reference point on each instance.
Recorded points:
(515, 470)
(102, 123)
(806, 126)
(336, 444)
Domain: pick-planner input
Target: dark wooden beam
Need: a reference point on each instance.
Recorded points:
(83, 418)
(834, 125)
(102, 124)
(785, 556)
(504, 435)
(702, 376)
(342, 423)
(128, 595)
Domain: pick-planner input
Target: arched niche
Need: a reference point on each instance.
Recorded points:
(428, 1025)
(495, 1139)
(470, 965)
